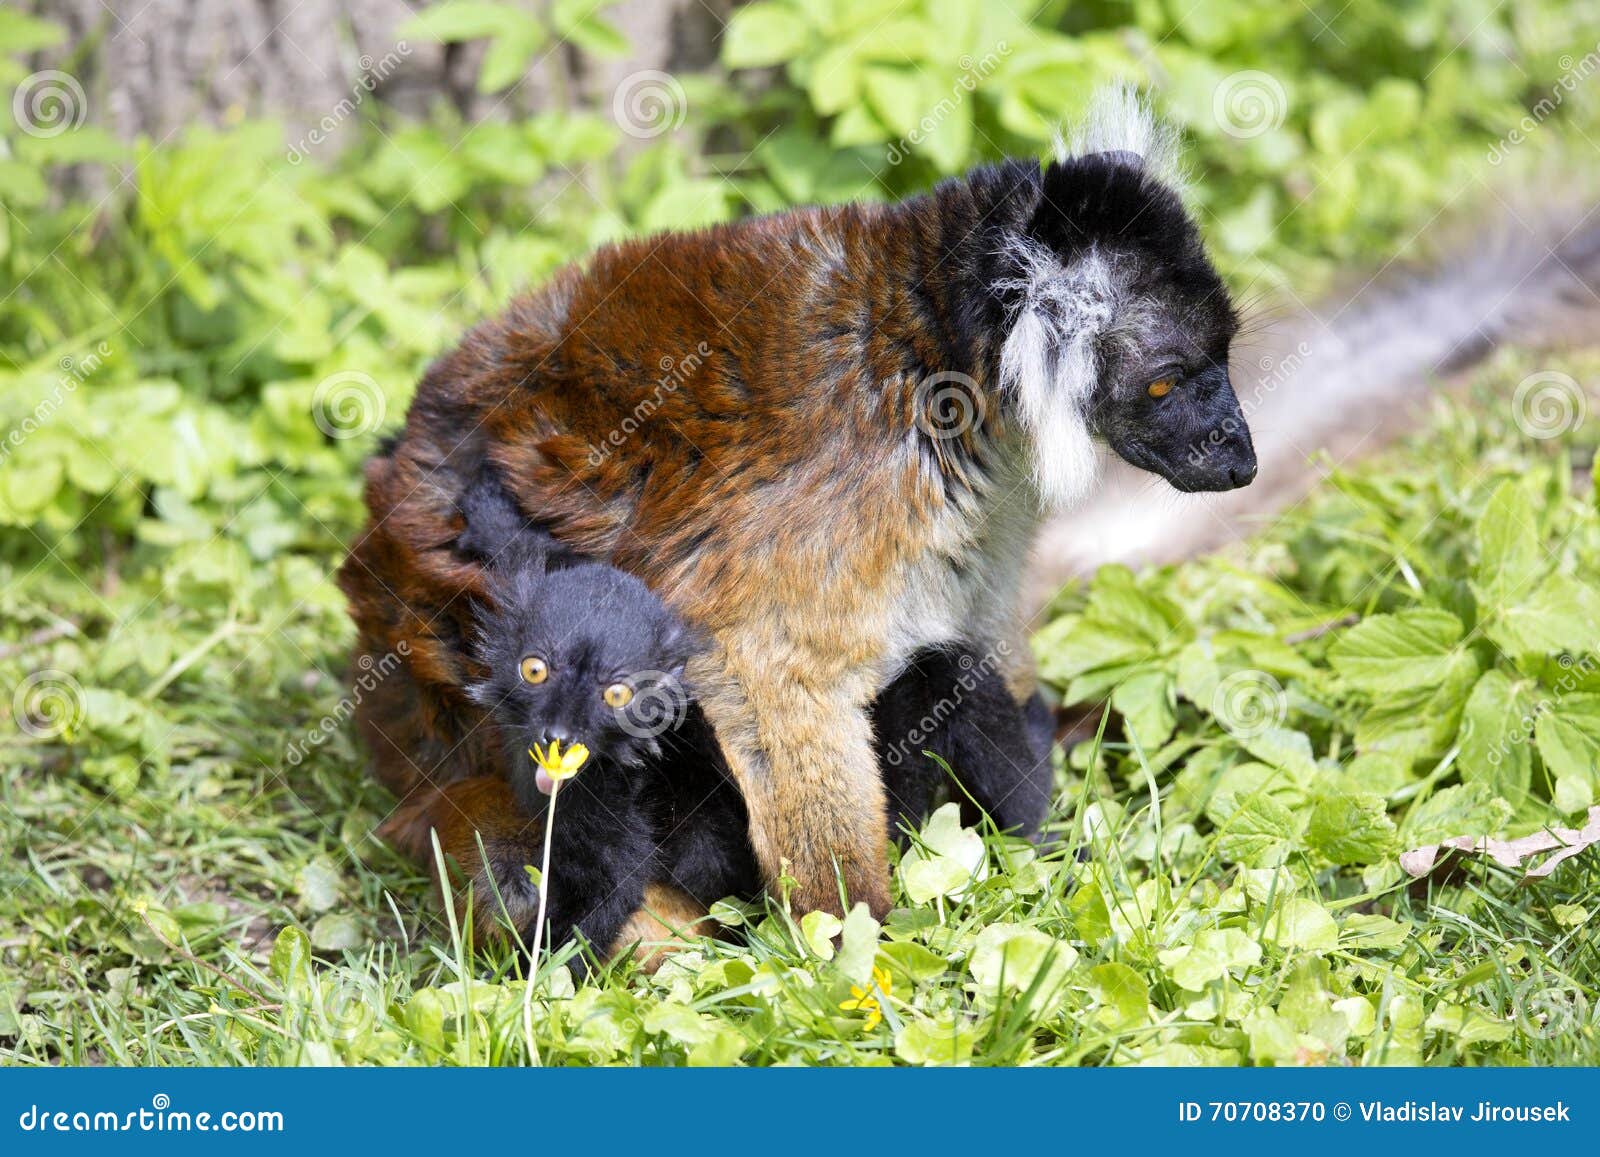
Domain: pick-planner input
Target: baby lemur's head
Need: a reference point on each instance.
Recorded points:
(1119, 326)
(585, 654)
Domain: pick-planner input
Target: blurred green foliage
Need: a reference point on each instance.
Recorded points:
(200, 338)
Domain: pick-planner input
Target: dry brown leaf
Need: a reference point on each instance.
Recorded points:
(1565, 842)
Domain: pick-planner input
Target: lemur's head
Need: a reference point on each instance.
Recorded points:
(1119, 324)
(585, 655)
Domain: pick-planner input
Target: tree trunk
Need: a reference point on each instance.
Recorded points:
(152, 67)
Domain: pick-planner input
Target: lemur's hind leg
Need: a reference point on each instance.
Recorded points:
(902, 726)
(992, 744)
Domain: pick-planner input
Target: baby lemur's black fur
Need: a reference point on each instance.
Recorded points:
(655, 800)
(580, 652)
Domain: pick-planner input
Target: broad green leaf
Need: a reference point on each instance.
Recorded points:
(1145, 702)
(948, 1040)
(1350, 828)
(318, 885)
(1562, 614)
(1466, 809)
(1305, 924)
(912, 961)
(1260, 833)
(1122, 994)
(1400, 653)
(1496, 739)
(291, 956)
(1568, 733)
(1509, 555)
(334, 932)
(764, 34)
(1362, 931)
(897, 96)
(858, 945)
(1424, 725)
(509, 55)
(1019, 958)
(818, 929)
(1284, 749)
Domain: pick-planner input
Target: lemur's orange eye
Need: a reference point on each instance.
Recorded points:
(617, 695)
(535, 669)
(1161, 387)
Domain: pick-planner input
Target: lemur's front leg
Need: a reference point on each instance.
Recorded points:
(802, 753)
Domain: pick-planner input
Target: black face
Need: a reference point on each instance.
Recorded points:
(1176, 416)
(1162, 400)
(583, 655)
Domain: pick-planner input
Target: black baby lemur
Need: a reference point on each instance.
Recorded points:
(577, 651)
(581, 652)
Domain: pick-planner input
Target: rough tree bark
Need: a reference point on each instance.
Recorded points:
(152, 67)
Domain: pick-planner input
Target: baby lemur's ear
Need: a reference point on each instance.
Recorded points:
(678, 642)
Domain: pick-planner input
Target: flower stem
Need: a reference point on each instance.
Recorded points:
(538, 931)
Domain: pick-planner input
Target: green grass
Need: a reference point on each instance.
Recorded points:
(176, 892)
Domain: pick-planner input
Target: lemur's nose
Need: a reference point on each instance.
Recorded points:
(556, 734)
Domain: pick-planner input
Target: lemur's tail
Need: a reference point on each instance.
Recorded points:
(1347, 376)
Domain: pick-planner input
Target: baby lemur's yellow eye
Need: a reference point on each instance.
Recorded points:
(535, 669)
(617, 695)
(1161, 387)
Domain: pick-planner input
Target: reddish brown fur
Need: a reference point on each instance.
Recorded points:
(776, 499)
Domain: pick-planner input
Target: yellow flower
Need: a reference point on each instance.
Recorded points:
(866, 999)
(559, 765)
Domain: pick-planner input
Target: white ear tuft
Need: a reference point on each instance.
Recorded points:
(1120, 120)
